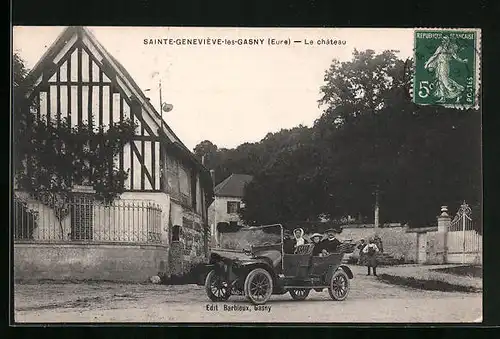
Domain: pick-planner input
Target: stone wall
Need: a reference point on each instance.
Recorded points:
(435, 248)
(190, 248)
(80, 261)
(396, 240)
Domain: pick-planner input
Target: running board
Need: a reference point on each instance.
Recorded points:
(303, 287)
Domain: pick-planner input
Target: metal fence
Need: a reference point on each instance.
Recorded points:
(84, 220)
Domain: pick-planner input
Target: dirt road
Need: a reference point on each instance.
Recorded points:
(369, 301)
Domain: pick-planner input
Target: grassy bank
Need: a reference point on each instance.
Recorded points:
(448, 279)
(429, 285)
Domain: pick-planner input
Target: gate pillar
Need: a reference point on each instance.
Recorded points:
(444, 222)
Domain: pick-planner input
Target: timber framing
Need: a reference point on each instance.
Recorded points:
(78, 79)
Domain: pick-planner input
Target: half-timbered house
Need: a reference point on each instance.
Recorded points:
(159, 224)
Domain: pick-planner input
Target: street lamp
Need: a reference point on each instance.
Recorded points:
(164, 106)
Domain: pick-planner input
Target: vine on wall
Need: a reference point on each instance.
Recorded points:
(52, 156)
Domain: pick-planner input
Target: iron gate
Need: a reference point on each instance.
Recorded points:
(462, 239)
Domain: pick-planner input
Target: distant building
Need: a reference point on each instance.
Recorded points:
(228, 201)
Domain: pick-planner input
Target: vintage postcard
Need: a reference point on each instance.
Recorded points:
(250, 175)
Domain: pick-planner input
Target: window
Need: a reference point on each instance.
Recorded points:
(176, 233)
(233, 207)
(82, 217)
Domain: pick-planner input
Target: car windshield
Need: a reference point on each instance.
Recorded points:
(247, 237)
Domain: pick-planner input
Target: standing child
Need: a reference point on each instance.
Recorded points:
(371, 251)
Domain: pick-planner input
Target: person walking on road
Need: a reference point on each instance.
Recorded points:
(371, 251)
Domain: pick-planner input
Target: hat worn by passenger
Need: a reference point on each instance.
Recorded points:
(316, 235)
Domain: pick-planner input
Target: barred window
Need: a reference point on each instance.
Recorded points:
(82, 217)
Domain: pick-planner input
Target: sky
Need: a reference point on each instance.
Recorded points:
(228, 94)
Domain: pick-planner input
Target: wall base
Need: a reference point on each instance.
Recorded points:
(470, 258)
(112, 262)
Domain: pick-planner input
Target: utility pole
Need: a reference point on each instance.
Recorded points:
(215, 231)
(161, 107)
(377, 221)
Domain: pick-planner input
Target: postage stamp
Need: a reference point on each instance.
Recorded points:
(446, 68)
(246, 175)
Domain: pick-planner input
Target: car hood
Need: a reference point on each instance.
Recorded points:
(274, 256)
(271, 255)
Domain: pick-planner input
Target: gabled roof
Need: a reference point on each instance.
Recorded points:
(45, 68)
(233, 186)
(45, 65)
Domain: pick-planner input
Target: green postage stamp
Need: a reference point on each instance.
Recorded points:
(446, 67)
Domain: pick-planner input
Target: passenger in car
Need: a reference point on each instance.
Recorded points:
(288, 243)
(316, 240)
(299, 237)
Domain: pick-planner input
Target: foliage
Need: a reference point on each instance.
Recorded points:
(249, 158)
(57, 156)
(26, 220)
(370, 138)
(51, 156)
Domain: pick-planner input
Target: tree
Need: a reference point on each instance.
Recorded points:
(374, 138)
(207, 151)
(371, 137)
(250, 158)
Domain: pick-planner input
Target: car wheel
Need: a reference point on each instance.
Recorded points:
(216, 288)
(339, 286)
(258, 286)
(300, 293)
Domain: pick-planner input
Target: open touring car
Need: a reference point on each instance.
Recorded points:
(265, 269)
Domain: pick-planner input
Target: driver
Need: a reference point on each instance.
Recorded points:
(331, 243)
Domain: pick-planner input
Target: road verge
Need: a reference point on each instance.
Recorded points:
(431, 279)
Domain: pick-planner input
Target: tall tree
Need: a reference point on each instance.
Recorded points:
(371, 137)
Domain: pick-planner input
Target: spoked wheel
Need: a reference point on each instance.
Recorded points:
(216, 288)
(339, 286)
(300, 293)
(258, 286)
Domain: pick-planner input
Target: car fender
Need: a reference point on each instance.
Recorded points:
(203, 272)
(259, 263)
(347, 271)
(335, 268)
